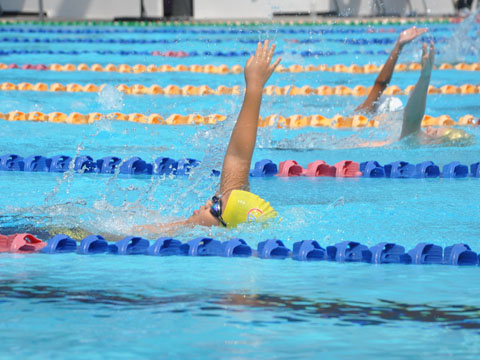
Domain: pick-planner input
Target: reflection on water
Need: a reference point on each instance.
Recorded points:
(281, 307)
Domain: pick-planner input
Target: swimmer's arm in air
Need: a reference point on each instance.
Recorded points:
(383, 79)
(236, 164)
(415, 109)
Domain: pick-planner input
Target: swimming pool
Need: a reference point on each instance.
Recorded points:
(183, 307)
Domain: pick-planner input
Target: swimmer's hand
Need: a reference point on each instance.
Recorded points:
(258, 69)
(410, 34)
(428, 58)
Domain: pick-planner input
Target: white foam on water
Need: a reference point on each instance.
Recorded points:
(462, 44)
(110, 98)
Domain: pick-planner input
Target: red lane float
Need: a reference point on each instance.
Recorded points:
(21, 243)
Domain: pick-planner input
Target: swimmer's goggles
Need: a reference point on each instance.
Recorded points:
(216, 210)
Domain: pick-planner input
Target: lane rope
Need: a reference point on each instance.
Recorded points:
(144, 41)
(197, 31)
(424, 253)
(275, 120)
(190, 90)
(235, 69)
(263, 168)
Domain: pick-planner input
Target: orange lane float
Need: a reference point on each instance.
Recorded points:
(155, 90)
(124, 68)
(291, 122)
(7, 86)
(359, 90)
(76, 118)
(69, 67)
(449, 89)
(57, 117)
(393, 90)
(468, 120)
(468, 89)
(57, 87)
(138, 89)
(40, 87)
(82, 67)
(117, 116)
(370, 68)
(24, 86)
(409, 89)
(36, 116)
(433, 90)
(15, 116)
(74, 88)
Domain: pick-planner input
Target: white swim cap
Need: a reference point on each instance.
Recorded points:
(389, 104)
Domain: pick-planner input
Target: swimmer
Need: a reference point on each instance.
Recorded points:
(383, 79)
(234, 204)
(415, 110)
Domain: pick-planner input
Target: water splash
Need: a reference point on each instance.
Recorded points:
(460, 46)
(110, 98)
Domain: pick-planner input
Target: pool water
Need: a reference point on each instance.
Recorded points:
(181, 307)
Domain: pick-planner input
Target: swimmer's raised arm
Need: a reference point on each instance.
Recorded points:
(415, 109)
(383, 79)
(236, 165)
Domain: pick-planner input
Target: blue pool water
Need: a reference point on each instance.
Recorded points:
(178, 307)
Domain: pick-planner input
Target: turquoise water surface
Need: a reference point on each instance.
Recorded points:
(213, 308)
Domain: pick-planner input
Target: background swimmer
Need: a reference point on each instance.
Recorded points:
(383, 79)
(415, 110)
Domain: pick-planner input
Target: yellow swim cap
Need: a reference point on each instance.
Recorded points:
(453, 134)
(243, 206)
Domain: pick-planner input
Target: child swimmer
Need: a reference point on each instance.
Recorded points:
(234, 204)
(415, 110)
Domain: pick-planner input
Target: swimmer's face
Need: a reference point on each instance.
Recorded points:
(203, 216)
(434, 132)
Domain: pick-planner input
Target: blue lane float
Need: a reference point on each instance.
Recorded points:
(400, 169)
(426, 253)
(131, 245)
(60, 163)
(372, 169)
(11, 162)
(165, 166)
(475, 169)
(165, 246)
(460, 254)
(348, 251)
(305, 250)
(202, 246)
(84, 164)
(236, 248)
(389, 253)
(60, 244)
(93, 244)
(455, 170)
(308, 250)
(263, 168)
(37, 163)
(427, 169)
(272, 249)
